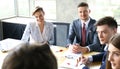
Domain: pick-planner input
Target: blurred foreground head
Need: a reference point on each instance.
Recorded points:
(30, 56)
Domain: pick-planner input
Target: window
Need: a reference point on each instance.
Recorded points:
(23, 8)
(99, 8)
(102, 8)
(7, 8)
(49, 7)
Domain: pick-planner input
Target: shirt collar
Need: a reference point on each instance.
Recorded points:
(86, 23)
(106, 48)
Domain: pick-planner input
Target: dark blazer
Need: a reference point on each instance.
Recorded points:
(91, 38)
(99, 57)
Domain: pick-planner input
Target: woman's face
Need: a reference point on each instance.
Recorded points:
(39, 15)
(114, 56)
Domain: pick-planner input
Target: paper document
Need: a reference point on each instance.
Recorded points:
(71, 61)
(68, 64)
(70, 55)
(8, 44)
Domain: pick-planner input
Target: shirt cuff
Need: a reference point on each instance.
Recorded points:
(88, 48)
(81, 66)
(67, 45)
(90, 58)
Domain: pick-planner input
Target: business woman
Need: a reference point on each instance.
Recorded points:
(39, 31)
(114, 53)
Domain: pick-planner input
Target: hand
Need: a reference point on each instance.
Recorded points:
(82, 60)
(84, 49)
(71, 47)
(76, 48)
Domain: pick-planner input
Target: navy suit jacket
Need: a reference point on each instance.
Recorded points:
(91, 37)
(99, 57)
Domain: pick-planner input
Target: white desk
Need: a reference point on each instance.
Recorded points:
(58, 51)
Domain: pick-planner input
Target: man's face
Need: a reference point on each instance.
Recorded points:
(83, 13)
(104, 33)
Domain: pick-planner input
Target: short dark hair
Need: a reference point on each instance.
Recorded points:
(30, 56)
(83, 4)
(38, 8)
(107, 20)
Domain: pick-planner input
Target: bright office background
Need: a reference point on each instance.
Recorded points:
(59, 10)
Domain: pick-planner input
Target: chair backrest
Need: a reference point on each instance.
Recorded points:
(61, 33)
(1, 30)
(13, 30)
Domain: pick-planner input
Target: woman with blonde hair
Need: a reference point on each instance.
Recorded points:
(39, 31)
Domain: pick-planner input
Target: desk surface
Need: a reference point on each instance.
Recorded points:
(58, 51)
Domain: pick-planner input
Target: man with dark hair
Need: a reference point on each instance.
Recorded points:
(30, 56)
(82, 33)
(106, 28)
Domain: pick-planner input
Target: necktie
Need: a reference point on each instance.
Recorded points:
(83, 35)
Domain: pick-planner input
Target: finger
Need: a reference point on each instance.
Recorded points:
(76, 44)
(82, 56)
(79, 59)
(75, 47)
(77, 62)
(74, 51)
(83, 59)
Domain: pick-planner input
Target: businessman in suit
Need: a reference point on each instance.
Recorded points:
(106, 28)
(89, 40)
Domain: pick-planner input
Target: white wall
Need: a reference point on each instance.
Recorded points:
(66, 10)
